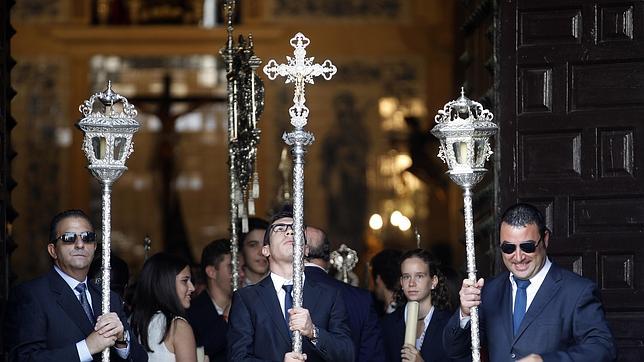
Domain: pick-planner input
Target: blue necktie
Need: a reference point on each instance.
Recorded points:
(520, 302)
(80, 288)
(288, 300)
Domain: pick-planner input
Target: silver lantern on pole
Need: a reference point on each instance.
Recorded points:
(464, 128)
(344, 260)
(299, 71)
(108, 125)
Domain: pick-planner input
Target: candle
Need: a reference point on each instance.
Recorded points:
(461, 157)
(411, 323)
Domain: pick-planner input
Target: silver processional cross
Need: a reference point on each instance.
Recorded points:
(299, 70)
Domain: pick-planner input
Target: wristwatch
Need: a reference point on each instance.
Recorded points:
(124, 342)
(316, 334)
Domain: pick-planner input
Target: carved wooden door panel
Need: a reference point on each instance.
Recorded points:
(571, 111)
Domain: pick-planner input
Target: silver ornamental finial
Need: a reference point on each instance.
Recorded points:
(344, 260)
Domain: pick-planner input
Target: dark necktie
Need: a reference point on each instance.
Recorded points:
(288, 300)
(520, 302)
(80, 288)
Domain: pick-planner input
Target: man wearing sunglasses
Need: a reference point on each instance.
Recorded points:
(537, 311)
(57, 317)
(262, 316)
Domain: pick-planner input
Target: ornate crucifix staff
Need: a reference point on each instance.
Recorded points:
(299, 70)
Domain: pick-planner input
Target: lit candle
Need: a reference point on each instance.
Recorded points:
(411, 323)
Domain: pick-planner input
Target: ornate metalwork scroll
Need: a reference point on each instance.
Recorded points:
(344, 260)
(299, 70)
(245, 105)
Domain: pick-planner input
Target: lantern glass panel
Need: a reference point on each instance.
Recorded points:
(119, 147)
(100, 147)
(460, 151)
(480, 152)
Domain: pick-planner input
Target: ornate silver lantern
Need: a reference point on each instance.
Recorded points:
(464, 128)
(108, 125)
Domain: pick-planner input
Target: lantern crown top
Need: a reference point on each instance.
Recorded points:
(464, 111)
(108, 109)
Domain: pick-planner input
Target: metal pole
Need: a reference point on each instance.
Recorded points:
(471, 270)
(106, 251)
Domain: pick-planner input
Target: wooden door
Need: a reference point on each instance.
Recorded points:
(571, 112)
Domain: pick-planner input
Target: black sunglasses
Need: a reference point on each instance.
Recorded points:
(70, 237)
(528, 247)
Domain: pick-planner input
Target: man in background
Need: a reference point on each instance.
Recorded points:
(363, 319)
(208, 312)
(255, 263)
(385, 273)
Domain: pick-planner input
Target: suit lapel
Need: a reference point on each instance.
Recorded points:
(506, 308)
(268, 296)
(310, 296)
(68, 301)
(95, 292)
(434, 333)
(544, 295)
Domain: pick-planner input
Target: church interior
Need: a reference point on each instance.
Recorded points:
(373, 155)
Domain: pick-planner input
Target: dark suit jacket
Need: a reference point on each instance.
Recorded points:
(363, 319)
(258, 332)
(45, 320)
(565, 322)
(209, 327)
(393, 326)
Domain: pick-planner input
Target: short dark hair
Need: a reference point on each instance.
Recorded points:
(522, 214)
(322, 251)
(72, 213)
(285, 211)
(214, 253)
(387, 264)
(254, 223)
(156, 291)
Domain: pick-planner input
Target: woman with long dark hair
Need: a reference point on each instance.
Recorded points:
(162, 295)
(421, 281)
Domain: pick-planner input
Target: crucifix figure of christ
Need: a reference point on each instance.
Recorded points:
(299, 70)
(175, 236)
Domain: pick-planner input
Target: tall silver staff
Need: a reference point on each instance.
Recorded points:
(299, 70)
(245, 105)
(464, 128)
(108, 126)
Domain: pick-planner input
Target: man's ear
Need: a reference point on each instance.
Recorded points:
(211, 272)
(546, 238)
(266, 251)
(51, 249)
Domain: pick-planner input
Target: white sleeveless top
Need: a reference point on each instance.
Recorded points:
(160, 352)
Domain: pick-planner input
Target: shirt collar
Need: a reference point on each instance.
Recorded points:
(278, 281)
(539, 277)
(69, 280)
(427, 318)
